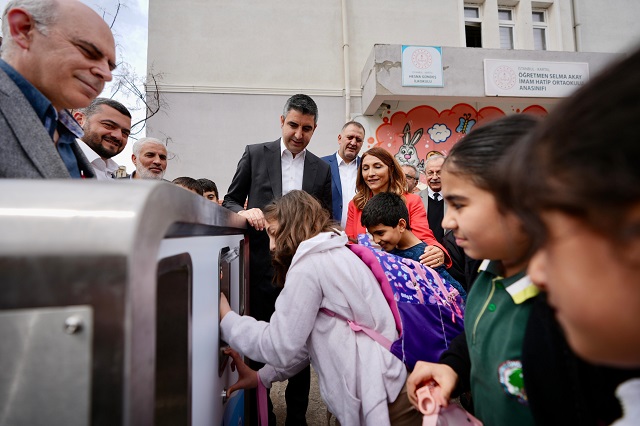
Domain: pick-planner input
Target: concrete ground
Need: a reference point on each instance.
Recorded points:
(317, 411)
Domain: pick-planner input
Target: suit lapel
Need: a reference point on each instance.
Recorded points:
(309, 173)
(83, 163)
(273, 160)
(34, 139)
(335, 173)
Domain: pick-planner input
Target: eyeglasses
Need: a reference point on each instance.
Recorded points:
(411, 177)
(431, 173)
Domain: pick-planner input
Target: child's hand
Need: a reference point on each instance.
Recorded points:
(224, 306)
(248, 378)
(433, 256)
(425, 373)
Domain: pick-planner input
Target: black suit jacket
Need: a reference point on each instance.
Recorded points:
(259, 177)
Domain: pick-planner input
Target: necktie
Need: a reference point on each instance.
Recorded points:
(436, 196)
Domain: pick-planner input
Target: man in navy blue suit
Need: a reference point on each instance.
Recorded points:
(344, 168)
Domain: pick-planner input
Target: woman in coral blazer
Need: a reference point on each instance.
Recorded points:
(379, 172)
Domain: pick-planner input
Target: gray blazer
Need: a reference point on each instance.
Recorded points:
(26, 149)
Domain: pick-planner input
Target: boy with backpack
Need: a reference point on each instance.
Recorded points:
(387, 220)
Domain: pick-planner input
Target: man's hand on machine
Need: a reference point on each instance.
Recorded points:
(254, 217)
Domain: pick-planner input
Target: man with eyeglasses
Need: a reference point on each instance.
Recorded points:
(431, 198)
(57, 55)
(106, 124)
(413, 177)
(344, 168)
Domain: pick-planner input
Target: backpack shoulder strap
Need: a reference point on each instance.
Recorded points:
(383, 341)
(369, 258)
(450, 297)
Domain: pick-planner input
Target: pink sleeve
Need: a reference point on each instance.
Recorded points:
(420, 224)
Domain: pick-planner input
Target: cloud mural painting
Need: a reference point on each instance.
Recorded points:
(439, 133)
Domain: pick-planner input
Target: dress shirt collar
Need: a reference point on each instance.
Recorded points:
(104, 169)
(87, 151)
(284, 149)
(341, 161)
(432, 192)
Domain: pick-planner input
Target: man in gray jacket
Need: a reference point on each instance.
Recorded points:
(56, 55)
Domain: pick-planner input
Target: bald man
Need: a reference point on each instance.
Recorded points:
(56, 55)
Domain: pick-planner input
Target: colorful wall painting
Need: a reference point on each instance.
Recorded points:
(411, 136)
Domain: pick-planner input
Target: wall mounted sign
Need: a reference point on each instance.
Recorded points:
(533, 78)
(422, 66)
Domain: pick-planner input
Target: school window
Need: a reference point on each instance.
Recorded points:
(539, 20)
(506, 24)
(472, 26)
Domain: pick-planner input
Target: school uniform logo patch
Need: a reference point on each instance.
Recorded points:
(510, 374)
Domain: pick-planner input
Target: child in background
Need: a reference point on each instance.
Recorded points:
(386, 218)
(579, 190)
(190, 184)
(210, 189)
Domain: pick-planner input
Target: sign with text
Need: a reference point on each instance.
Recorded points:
(533, 78)
(422, 66)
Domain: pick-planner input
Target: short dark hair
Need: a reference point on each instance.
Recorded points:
(95, 104)
(189, 183)
(303, 104)
(385, 208)
(353, 123)
(208, 186)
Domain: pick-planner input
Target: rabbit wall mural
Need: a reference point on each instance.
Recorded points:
(408, 154)
(411, 136)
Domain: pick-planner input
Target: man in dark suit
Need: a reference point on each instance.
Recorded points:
(344, 168)
(56, 55)
(265, 172)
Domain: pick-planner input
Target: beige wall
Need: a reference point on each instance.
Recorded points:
(608, 26)
(228, 66)
(266, 46)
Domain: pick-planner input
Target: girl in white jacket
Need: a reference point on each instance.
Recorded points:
(361, 382)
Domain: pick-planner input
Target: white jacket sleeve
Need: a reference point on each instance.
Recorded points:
(269, 374)
(281, 342)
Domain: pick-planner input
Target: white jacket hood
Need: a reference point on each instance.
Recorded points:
(321, 242)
